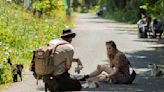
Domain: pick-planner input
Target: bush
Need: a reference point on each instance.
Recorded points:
(21, 33)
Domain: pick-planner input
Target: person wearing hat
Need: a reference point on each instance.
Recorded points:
(62, 63)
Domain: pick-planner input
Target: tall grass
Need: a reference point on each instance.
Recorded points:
(21, 33)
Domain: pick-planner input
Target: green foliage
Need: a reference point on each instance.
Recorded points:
(5, 73)
(120, 11)
(47, 5)
(130, 10)
(84, 5)
(21, 33)
(156, 10)
(123, 10)
(93, 9)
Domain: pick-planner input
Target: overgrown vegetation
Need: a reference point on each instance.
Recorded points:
(84, 5)
(131, 10)
(21, 33)
(123, 10)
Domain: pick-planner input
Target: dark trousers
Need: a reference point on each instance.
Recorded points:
(142, 33)
(158, 31)
(61, 83)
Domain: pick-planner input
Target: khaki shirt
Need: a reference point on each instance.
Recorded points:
(63, 57)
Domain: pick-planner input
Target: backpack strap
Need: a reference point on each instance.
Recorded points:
(54, 49)
(130, 64)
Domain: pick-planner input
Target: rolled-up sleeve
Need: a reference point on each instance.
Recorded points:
(69, 57)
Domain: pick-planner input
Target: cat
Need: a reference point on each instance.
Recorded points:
(90, 84)
(155, 71)
(16, 70)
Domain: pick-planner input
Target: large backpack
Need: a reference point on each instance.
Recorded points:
(43, 58)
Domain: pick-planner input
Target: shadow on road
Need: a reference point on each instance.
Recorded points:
(141, 59)
(142, 84)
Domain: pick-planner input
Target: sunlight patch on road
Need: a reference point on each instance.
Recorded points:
(136, 56)
(141, 70)
(157, 45)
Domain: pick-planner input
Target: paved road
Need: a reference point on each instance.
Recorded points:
(92, 33)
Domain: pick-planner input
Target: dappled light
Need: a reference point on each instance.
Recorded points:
(86, 28)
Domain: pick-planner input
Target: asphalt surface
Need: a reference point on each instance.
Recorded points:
(92, 33)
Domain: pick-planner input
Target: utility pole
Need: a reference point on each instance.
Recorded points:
(67, 6)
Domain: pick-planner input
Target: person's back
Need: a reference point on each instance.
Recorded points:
(63, 56)
(158, 25)
(123, 62)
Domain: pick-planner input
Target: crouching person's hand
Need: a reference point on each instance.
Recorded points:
(79, 66)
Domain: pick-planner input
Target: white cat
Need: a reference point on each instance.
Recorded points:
(90, 84)
(155, 71)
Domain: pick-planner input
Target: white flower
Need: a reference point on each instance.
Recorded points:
(36, 36)
(9, 0)
(6, 48)
(10, 50)
(5, 59)
(54, 37)
(0, 43)
(67, 27)
(7, 53)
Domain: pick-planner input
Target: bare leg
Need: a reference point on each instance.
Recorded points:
(100, 68)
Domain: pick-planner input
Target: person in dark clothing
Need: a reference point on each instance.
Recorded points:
(157, 28)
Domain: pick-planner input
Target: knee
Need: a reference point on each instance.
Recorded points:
(99, 67)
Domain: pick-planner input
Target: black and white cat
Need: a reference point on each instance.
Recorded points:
(16, 70)
(155, 71)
